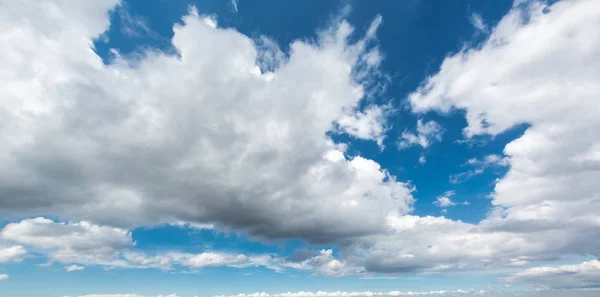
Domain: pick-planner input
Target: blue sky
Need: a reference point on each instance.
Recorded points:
(313, 148)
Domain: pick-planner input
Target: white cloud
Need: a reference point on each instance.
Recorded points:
(14, 253)
(539, 67)
(3, 277)
(368, 125)
(459, 292)
(81, 242)
(478, 22)
(517, 77)
(132, 25)
(204, 137)
(426, 134)
(325, 263)
(234, 5)
(445, 200)
(74, 268)
(480, 167)
(125, 295)
(87, 244)
(584, 275)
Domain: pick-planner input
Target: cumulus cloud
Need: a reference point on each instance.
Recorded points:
(14, 253)
(445, 200)
(368, 125)
(426, 134)
(584, 275)
(514, 78)
(204, 136)
(81, 242)
(3, 277)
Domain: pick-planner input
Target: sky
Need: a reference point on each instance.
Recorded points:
(335, 148)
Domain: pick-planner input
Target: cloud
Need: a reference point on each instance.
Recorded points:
(501, 84)
(234, 5)
(3, 277)
(480, 167)
(445, 199)
(427, 133)
(478, 23)
(207, 137)
(132, 25)
(202, 137)
(459, 292)
(86, 244)
(81, 242)
(584, 275)
(74, 268)
(14, 253)
(125, 295)
(368, 125)
(539, 66)
(325, 263)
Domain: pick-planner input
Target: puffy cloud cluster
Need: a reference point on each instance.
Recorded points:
(203, 136)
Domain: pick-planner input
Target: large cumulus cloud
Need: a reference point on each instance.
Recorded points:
(201, 136)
